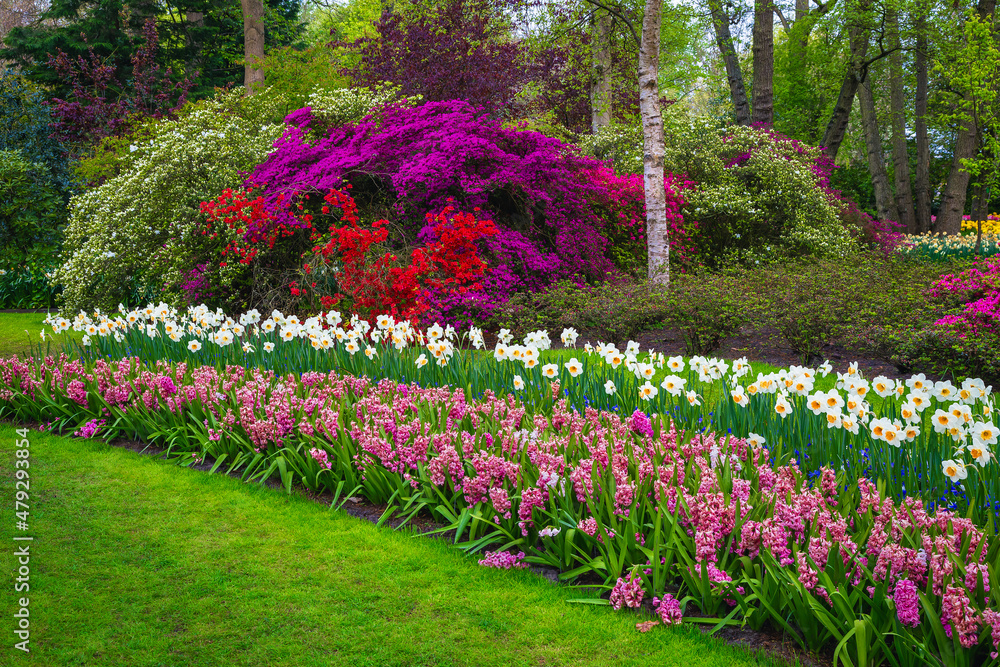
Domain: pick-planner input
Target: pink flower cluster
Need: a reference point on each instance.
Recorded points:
(669, 609)
(627, 592)
(980, 287)
(503, 560)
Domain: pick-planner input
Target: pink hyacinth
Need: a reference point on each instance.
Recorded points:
(503, 560)
(627, 592)
(669, 609)
(320, 457)
(90, 429)
(907, 603)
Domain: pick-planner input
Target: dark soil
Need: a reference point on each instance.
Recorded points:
(767, 345)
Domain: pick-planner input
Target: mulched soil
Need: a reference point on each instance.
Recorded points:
(766, 345)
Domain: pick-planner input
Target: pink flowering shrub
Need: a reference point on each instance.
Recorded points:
(979, 287)
(645, 508)
(559, 214)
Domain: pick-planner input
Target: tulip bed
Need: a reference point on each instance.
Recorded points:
(815, 519)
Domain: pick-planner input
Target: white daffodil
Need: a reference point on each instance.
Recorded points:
(984, 433)
(647, 392)
(954, 470)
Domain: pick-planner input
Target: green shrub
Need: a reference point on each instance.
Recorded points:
(757, 196)
(116, 232)
(852, 300)
(610, 312)
(935, 350)
(707, 308)
(31, 209)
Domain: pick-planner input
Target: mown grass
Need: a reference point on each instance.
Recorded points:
(19, 334)
(138, 562)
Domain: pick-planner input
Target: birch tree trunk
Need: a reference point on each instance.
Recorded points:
(724, 39)
(253, 43)
(900, 152)
(876, 161)
(922, 178)
(600, 105)
(763, 62)
(657, 242)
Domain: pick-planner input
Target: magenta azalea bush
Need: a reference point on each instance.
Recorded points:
(979, 287)
(559, 214)
(686, 520)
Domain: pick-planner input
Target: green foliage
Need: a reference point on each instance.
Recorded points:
(24, 127)
(115, 240)
(31, 209)
(610, 312)
(973, 73)
(293, 74)
(936, 350)
(854, 300)
(196, 36)
(757, 196)
(707, 308)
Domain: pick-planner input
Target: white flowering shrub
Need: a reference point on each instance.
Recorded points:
(115, 239)
(340, 106)
(757, 195)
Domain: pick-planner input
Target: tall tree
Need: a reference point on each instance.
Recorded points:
(900, 152)
(949, 220)
(601, 111)
(857, 70)
(253, 43)
(724, 40)
(653, 150)
(884, 202)
(763, 62)
(922, 177)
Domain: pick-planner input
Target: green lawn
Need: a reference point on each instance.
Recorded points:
(19, 333)
(139, 562)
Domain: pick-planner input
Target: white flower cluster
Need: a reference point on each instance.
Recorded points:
(339, 106)
(130, 226)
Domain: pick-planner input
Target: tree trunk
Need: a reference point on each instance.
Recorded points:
(876, 161)
(837, 127)
(658, 244)
(949, 219)
(724, 39)
(980, 203)
(922, 184)
(600, 105)
(763, 62)
(253, 43)
(900, 152)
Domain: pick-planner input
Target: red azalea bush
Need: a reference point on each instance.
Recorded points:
(347, 263)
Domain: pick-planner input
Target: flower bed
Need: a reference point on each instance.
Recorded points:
(902, 433)
(694, 519)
